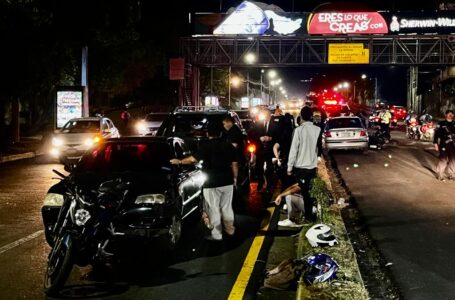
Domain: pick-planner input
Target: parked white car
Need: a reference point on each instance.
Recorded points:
(80, 134)
(345, 133)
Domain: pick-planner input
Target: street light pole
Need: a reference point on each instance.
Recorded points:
(248, 84)
(376, 89)
(229, 87)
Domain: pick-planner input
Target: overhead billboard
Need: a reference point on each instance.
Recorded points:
(257, 18)
(348, 53)
(69, 105)
(441, 22)
(335, 23)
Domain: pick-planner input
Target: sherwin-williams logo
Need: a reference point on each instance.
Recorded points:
(347, 23)
(426, 23)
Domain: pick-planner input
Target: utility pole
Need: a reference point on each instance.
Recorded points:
(248, 84)
(84, 82)
(229, 87)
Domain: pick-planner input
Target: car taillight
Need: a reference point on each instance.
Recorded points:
(251, 148)
(363, 133)
(328, 134)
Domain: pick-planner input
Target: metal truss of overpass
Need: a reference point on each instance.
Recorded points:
(411, 50)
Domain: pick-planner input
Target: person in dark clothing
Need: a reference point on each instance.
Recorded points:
(281, 150)
(444, 142)
(234, 135)
(219, 163)
(263, 134)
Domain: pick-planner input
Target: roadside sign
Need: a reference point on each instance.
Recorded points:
(351, 53)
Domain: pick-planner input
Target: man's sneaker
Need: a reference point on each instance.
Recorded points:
(288, 223)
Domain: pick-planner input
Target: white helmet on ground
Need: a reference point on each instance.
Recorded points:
(321, 235)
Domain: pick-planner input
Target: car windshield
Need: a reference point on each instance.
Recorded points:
(193, 125)
(81, 126)
(122, 157)
(344, 123)
(156, 117)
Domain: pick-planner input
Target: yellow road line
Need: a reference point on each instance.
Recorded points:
(238, 290)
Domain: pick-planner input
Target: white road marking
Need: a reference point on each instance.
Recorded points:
(21, 241)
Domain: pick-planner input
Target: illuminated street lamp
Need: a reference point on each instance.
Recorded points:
(250, 58)
(364, 76)
(235, 81)
(340, 86)
(281, 88)
(335, 89)
(272, 74)
(346, 84)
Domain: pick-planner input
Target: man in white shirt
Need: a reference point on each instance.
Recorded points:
(306, 148)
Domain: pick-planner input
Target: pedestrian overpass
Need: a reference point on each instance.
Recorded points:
(280, 39)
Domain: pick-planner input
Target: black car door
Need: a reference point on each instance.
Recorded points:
(191, 181)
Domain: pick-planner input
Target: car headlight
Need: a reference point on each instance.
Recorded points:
(57, 142)
(52, 199)
(90, 142)
(81, 217)
(141, 127)
(150, 199)
(54, 152)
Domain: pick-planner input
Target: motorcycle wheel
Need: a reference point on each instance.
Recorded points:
(59, 267)
(174, 233)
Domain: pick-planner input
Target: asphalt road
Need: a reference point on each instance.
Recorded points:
(410, 215)
(199, 270)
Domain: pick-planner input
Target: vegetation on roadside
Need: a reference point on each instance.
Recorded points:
(349, 283)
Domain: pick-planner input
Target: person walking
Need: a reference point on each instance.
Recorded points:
(219, 163)
(306, 148)
(444, 142)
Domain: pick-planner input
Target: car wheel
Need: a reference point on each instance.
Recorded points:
(174, 232)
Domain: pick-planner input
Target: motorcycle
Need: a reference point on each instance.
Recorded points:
(377, 139)
(83, 229)
(413, 130)
(427, 128)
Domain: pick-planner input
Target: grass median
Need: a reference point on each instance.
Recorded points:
(349, 284)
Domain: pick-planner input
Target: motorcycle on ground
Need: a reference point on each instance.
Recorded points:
(83, 230)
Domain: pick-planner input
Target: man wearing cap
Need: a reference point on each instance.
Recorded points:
(444, 142)
(306, 147)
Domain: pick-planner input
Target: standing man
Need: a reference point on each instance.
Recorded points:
(444, 142)
(306, 147)
(385, 117)
(219, 163)
(263, 135)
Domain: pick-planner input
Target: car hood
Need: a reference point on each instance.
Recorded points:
(140, 182)
(75, 138)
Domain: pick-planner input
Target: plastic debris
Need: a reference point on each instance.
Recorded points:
(386, 165)
(388, 264)
(341, 201)
(347, 168)
(390, 155)
(355, 165)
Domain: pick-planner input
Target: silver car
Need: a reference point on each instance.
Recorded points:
(345, 133)
(80, 134)
(151, 123)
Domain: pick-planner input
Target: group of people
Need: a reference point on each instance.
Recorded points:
(290, 152)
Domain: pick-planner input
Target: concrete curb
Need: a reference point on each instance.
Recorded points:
(20, 156)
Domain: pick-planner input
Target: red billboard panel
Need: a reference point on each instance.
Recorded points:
(347, 23)
(176, 69)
